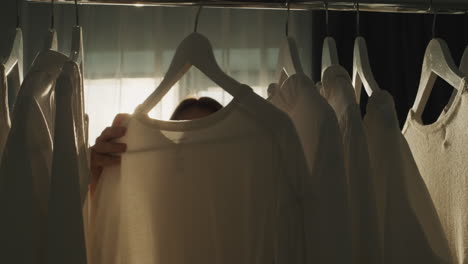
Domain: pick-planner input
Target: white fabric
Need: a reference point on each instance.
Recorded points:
(339, 92)
(29, 230)
(441, 155)
(226, 188)
(326, 209)
(9, 88)
(409, 223)
(65, 220)
(26, 164)
(74, 78)
(5, 122)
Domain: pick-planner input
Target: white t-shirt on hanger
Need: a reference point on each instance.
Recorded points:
(326, 213)
(441, 154)
(227, 188)
(409, 223)
(339, 92)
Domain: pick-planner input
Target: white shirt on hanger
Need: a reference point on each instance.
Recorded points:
(26, 164)
(441, 156)
(409, 223)
(326, 207)
(66, 241)
(339, 92)
(227, 188)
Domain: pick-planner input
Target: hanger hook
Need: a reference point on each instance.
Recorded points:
(327, 24)
(77, 15)
(288, 7)
(52, 18)
(358, 18)
(434, 19)
(197, 17)
(18, 15)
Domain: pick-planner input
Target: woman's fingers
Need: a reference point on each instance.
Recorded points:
(109, 147)
(102, 152)
(115, 131)
(103, 160)
(119, 119)
(111, 133)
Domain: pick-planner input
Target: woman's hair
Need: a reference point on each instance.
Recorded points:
(205, 103)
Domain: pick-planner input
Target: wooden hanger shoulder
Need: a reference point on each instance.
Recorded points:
(438, 62)
(76, 53)
(464, 62)
(194, 50)
(15, 55)
(51, 42)
(362, 71)
(289, 61)
(329, 54)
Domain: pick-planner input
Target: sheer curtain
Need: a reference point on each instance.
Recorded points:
(128, 50)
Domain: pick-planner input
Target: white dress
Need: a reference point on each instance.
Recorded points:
(339, 92)
(441, 154)
(326, 211)
(227, 188)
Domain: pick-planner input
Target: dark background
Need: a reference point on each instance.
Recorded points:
(396, 45)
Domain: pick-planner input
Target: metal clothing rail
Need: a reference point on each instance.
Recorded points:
(392, 6)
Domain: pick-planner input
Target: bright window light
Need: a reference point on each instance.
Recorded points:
(105, 98)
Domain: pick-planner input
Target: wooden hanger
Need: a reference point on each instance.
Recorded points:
(288, 59)
(464, 70)
(195, 50)
(438, 62)
(15, 56)
(13, 64)
(329, 52)
(51, 42)
(76, 53)
(464, 62)
(362, 71)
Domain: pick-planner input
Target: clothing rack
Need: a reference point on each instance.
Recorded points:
(391, 6)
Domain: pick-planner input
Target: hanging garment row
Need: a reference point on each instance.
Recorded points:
(297, 178)
(375, 208)
(45, 158)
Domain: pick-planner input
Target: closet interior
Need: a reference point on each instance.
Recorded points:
(184, 132)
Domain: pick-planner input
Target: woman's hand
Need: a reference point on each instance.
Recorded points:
(103, 153)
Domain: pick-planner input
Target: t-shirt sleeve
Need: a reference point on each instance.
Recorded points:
(327, 214)
(294, 174)
(22, 181)
(102, 213)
